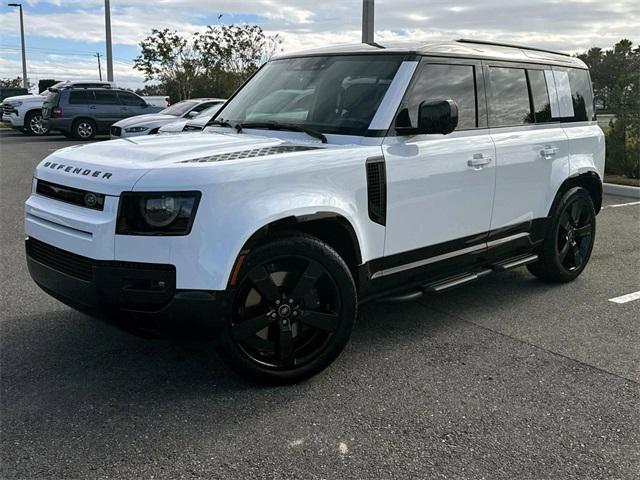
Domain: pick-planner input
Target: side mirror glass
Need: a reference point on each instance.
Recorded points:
(440, 116)
(192, 114)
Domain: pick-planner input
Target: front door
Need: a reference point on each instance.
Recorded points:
(440, 187)
(106, 108)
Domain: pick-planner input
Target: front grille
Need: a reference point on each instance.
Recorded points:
(116, 131)
(78, 266)
(8, 109)
(66, 262)
(377, 189)
(256, 152)
(75, 196)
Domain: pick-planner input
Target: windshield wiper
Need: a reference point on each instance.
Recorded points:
(282, 126)
(221, 123)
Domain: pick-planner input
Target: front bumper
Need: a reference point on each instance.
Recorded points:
(132, 295)
(13, 120)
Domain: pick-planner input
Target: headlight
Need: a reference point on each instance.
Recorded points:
(135, 129)
(157, 213)
(15, 104)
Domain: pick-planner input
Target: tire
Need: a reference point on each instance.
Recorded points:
(294, 307)
(33, 124)
(568, 243)
(84, 129)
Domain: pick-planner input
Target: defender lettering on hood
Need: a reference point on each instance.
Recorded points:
(86, 172)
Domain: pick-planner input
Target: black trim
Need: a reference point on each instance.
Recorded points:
(377, 189)
(74, 196)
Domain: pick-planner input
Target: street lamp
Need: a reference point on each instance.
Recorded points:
(25, 82)
(107, 27)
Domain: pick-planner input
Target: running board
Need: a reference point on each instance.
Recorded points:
(402, 297)
(453, 282)
(514, 262)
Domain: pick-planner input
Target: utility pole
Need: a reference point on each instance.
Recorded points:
(97, 55)
(367, 21)
(25, 81)
(107, 25)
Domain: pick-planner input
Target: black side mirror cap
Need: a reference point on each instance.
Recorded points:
(440, 116)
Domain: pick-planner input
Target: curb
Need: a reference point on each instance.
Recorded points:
(621, 190)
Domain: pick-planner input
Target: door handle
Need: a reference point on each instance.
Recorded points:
(548, 152)
(478, 161)
(92, 107)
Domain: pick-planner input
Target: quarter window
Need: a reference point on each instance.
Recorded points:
(443, 82)
(581, 94)
(509, 102)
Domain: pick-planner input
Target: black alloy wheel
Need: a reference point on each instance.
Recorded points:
(293, 312)
(569, 241)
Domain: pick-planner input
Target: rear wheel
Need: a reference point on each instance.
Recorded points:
(84, 129)
(33, 124)
(569, 241)
(293, 312)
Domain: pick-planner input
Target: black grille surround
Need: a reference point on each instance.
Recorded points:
(78, 266)
(377, 189)
(75, 196)
(255, 152)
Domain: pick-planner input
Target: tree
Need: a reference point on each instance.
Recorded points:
(11, 82)
(170, 58)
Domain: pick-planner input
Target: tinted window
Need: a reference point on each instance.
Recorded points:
(130, 99)
(104, 97)
(203, 106)
(509, 100)
(443, 82)
(581, 94)
(540, 95)
(78, 97)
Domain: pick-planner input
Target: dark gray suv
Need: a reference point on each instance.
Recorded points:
(82, 113)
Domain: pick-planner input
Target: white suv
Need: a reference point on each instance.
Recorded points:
(331, 178)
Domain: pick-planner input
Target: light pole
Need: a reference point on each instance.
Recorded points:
(367, 21)
(25, 82)
(107, 26)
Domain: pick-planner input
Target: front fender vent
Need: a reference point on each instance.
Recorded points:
(255, 152)
(377, 189)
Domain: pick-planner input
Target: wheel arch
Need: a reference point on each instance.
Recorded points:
(332, 228)
(590, 181)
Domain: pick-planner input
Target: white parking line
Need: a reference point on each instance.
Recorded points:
(626, 298)
(621, 205)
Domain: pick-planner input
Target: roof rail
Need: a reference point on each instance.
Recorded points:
(497, 44)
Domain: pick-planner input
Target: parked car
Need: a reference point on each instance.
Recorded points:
(82, 112)
(157, 100)
(12, 92)
(24, 112)
(410, 170)
(150, 124)
(195, 124)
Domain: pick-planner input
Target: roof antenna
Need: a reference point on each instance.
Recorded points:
(368, 27)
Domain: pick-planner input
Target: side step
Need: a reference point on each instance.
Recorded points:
(456, 281)
(514, 262)
(403, 297)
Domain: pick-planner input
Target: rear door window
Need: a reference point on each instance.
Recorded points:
(509, 100)
(539, 96)
(105, 97)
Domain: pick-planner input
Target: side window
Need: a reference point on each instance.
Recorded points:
(540, 96)
(443, 82)
(104, 97)
(581, 94)
(130, 99)
(509, 101)
(78, 97)
(203, 106)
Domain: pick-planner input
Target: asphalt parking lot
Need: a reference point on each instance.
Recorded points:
(507, 378)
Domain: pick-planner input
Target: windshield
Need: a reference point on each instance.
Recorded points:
(331, 94)
(180, 108)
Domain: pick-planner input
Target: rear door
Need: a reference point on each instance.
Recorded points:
(105, 109)
(440, 187)
(531, 150)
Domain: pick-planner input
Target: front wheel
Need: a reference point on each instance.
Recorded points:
(569, 241)
(293, 312)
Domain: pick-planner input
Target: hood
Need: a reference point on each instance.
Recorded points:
(24, 98)
(115, 166)
(173, 127)
(147, 120)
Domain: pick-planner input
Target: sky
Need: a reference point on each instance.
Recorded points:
(63, 36)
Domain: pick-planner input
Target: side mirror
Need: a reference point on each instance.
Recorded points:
(192, 114)
(440, 116)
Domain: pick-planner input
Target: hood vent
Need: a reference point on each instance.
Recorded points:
(256, 152)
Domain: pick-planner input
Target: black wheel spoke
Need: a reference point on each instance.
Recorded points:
(563, 252)
(577, 255)
(323, 321)
(307, 280)
(263, 282)
(285, 347)
(576, 210)
(565, 221)
(247, 328)
(583, 231)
